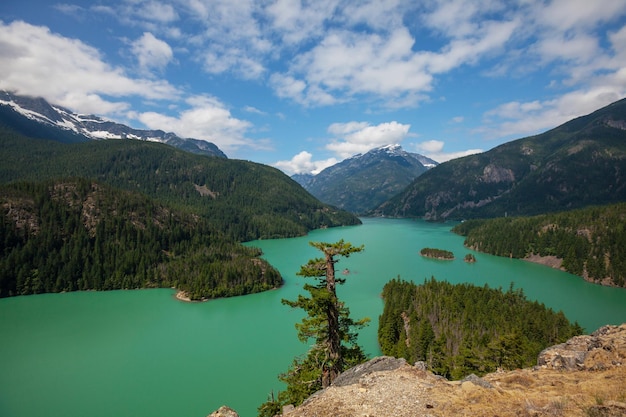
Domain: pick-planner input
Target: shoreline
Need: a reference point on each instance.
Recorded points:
(182, 296)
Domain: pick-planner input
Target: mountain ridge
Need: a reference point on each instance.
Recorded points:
(75, 127)
(579, 163)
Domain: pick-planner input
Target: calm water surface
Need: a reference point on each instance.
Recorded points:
(142, 353)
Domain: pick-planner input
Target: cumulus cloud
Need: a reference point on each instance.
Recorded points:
(37, 62)
(296, 22)
(205, 118)
(151, 53)
(303, 163)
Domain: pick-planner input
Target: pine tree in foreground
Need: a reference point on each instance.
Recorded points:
(327, 324)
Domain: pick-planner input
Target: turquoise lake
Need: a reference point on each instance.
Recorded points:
(144, 354)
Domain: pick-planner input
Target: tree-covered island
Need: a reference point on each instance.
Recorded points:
(437, 254)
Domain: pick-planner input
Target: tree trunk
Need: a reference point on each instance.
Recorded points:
(335, 360)
(334, 339)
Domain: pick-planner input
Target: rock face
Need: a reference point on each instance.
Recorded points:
(585, 376)
(381, 363)
(603, 349)
(224, 411)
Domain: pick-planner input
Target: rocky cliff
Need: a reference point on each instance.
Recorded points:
(586, 376)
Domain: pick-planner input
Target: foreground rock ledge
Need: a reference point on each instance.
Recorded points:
(585, 376)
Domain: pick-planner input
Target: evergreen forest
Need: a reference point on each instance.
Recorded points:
(462, 329)
(437, 253)
(245, 200)
(591, 242)
(79, 234)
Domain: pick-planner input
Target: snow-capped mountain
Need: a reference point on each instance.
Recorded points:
(35, 116)
(364, 181)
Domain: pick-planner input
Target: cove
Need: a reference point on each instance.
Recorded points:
(143, 353)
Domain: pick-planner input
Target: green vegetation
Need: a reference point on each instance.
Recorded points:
(437, 253)
(469, 258)
(462, 329)
(244, 200)
(328, 324)
(79, 234)
(591, 242)
(177, 224)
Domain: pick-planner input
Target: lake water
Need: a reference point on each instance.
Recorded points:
(144, 354)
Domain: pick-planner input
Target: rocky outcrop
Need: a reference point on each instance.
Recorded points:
(583, 377)
(378, 364)
(602, 349)
(224, 411)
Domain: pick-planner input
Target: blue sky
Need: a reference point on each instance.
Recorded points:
(301, 85)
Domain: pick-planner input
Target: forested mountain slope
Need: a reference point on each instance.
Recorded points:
(589, 242)
(245, 200)
(77, 234)
(580, 163)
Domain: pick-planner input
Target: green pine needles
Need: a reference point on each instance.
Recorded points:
(328, 324)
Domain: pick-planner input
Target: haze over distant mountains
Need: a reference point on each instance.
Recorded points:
(364, 181)
(58, 123)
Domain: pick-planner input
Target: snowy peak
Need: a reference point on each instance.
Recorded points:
(364, 181)
(393, 151)
(64, 123)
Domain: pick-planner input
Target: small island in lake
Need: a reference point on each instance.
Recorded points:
(469, 258)
(437, 254)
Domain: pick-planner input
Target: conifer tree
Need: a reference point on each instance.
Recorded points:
(327, 323)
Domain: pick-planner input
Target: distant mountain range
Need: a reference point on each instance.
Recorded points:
(364, 181)
(58, 123)
(580, 163)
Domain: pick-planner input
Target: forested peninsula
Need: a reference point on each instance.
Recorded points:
(112, 214)
(79, 234)
(457, 330)
(589, 242)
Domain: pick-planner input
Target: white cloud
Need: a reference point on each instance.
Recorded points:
(516, 119)
(359, 137)
(231, 39)
(296, 22)
(156, 11)
(563, 15)
(38, 62)
(434, 150)
(388, 66)
(254, 110)
(302, 163)
(346, 64)
(430, 146)
(207, 119)
(151, 53)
